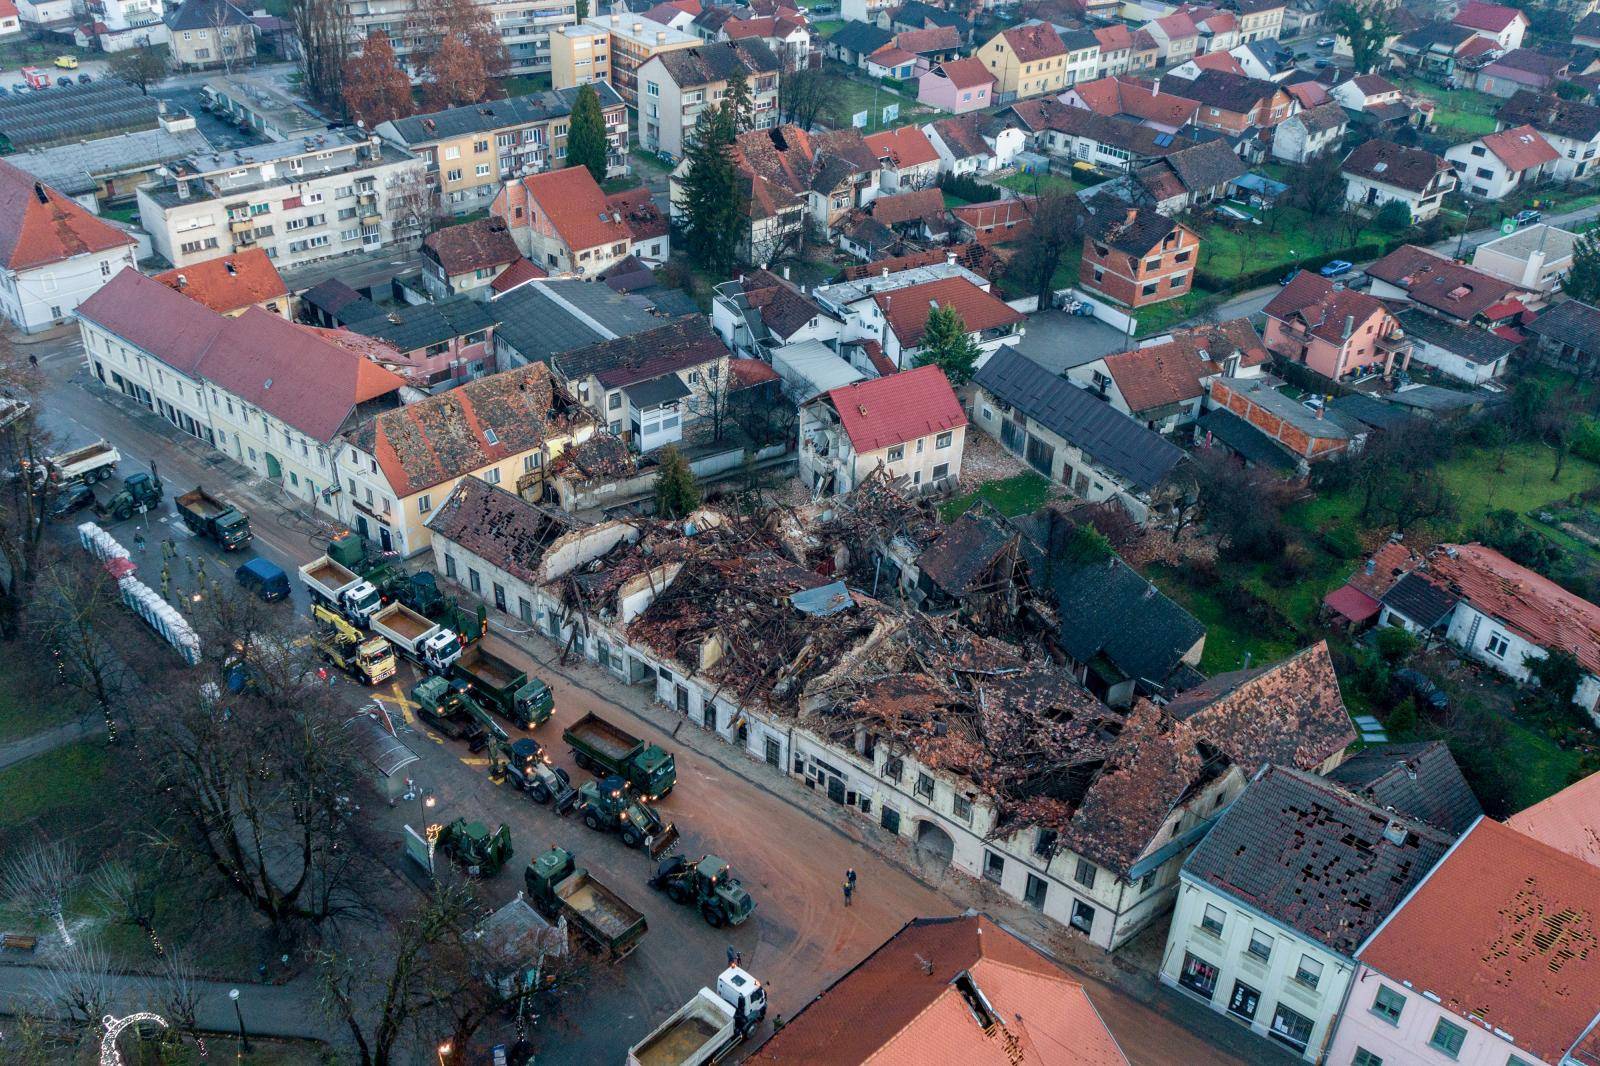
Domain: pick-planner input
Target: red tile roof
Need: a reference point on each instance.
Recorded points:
(1035, 42)
(904, 146)
(149, 315)
(1475, 15)
(1535, 607)
(907, 309)
(1505, 932)
(1177, 26)
(912, 1002)
(1442, 284)
(968, 73)
(1569, 821)
(229, 282)
(751, 372)
(887, 411)
(1521, 148)
(523, 270)
(1116, 38)
(1219, 61)
(8, 10)
(907, 206)
(645, 221)
(1123, 95)
(1171, 372)
(1352, 603)
(474, 245)
(39, 226)
(576, 207)
(1387, 566)
(890, 56)
(1309, 93)
(1323, 308)
(933, 39)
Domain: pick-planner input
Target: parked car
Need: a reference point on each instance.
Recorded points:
(64, 81)
(1409, 682)
(83, 78)
(1288, 277)
(1323, 64)
(20, 90)
(72, 499)
(1527, 218)
(1324, 42)
(1336, 268)
(265, 579)
(67, 62)
(1312, 403)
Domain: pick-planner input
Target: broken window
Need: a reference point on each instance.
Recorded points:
(474, 582)
(1044, 843)
(1082, 916)
(894, 768)
(961, 807)
(1036, 891)
(897, 453)
(994, 866)
(925, 786)
(1084, 874)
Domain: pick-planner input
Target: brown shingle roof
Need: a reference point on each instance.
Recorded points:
(497, 526)
(907, 309)
(909, 206)
(1230, 92)
(903, 146)
(1393, 164)
(1323, 308)
(680, 345)
(229, 282)
(474, 245)
(1035, 42)
(1441, 284)
(968, 73)
(1172, 372)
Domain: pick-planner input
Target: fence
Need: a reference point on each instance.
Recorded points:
(138, 597)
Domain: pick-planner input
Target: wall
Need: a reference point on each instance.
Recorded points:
(1069, 465)
(1286, 433)
(39, 298)
(1473, 373)
(1472, 630)
(1407, 1040)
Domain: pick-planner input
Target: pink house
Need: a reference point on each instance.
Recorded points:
(1490, 962)
(1338, 333)
(958, 86)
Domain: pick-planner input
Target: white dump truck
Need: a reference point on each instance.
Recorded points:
(342, 589)
(426, 643)
(91, 463)
(708, 1027)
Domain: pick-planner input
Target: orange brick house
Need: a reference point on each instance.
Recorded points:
(1295, 427)
(1336, 332)
(1137, 257)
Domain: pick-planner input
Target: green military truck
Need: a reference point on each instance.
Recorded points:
(522, 700)
(449, 708)
(556, 886)
(707, 883)
(609, 806)
(471, 846)
(603, 750)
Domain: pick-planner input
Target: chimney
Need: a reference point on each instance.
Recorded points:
(785, 273)
(885, 271)
(183, 188)
(661, 37)
(950, 259)
(1155, 88)
(183, 282)
(1372, 567)
(1349, 325)
(638, 28)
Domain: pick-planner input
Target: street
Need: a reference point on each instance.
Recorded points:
(784, 842)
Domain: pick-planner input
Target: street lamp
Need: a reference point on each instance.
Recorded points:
(244, 1041)
(444, 1049)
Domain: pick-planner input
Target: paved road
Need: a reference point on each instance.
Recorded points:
(787, 844)
(30, 747)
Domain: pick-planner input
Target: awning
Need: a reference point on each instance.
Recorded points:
(1351, 603)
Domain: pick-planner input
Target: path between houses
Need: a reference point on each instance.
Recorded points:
(48, 740)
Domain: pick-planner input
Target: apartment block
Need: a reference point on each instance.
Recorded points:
(680, 85)
(612, 47)
(525, 28)
(313, 197)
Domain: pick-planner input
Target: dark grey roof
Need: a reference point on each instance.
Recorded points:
(1108, 611)
(1549, 113)
(1570, 322)
(1232, 92)
(1136, 236)
(76, 112)
(331, 296)
(1109, 437)
(860, 37)
(1370, 412)
(1246, 440)
(206, 14)
(537, 327)
(495, 114)
(1420, 600)
(717, 61)
(1435, 399)
(1477, 345)
(1315, 857)
(664, 389)
(1420, 780)
(499, 527)
(916, 13)
(1206, 166)
(419, 325)
(1077, 40)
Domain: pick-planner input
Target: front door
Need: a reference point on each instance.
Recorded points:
(274, 468)
(836, 789)
(383, 535)
(772, 751)
(683, 699)
(361, 527)
(709, 715)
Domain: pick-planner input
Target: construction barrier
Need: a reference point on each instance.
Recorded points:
(158, 614)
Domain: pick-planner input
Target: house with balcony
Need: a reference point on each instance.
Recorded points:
(1382, 172)
(1337, 332)
(472, 151)
(910, 424)
(1163, 385)
(115, 25)
(1274, 903)
(682, 84)
(565, 224)
(612, 47)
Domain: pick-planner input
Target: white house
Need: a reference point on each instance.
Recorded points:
(1496, 164)
(1535, 257)
(1505, 26)
(909, 423)
(969, 144)
(1468, 354)
(1257, 935)
(1381, 172)
(53, 253)
(893, 310)
(1308, 134)
(1571, 126)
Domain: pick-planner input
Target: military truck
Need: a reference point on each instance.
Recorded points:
(604, 750)
(471, 846)
(608, 806)
(368, 659)
(451, 710)
(707, 1027)
(556, 886)
(216, 520)
(529, 770)
(707, 883)
(138, 490)
(503, 688)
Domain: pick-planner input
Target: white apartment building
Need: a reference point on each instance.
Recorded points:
(678, 86)
(313, 197)
(524, 27)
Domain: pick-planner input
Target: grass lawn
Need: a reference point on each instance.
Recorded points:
(1543, 767)
(1022, 494)
(1461, 113)
(1294, 238)
(857, 96)
(648, 160)
(63, 787)
(1158, 318)
(826, 28)
(22, 710)
(1228, 635)
(523, 84)
(1036, 183)
(952, 200)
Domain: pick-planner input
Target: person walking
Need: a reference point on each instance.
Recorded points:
(850, 877)
(138, 542)
(849, 890)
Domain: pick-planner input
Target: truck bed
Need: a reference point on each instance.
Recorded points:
(82, 455)
(329, 573)
(602, 908)
(678, 1042)
(493, 671)
(404, 621)
(201, 505)
(601, 736)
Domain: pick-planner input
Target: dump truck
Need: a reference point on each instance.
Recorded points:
(471, 846)
(216, 520)
(368, 659)
(528, 768)
(503, 688)
(88, 464)
(425, 643)
(707, 1027)
(603, 750)
(707, 883)
(138, 490)
(556, 886)
(451, 710)
(608, 806)
(335, 585)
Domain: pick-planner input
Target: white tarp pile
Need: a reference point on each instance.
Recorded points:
(141, 598)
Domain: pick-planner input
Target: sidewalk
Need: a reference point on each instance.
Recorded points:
(50, 739)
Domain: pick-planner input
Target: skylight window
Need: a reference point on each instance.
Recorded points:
(489, 436)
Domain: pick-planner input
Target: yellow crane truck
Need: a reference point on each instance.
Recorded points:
(368, 659)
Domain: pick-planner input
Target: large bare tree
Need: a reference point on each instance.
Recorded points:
(25, 498)
(323, 30)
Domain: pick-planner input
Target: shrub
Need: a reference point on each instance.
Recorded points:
(1394, 644)
(967, 187)
(1586, 439)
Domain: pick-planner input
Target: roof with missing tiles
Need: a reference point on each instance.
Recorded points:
(499, 528)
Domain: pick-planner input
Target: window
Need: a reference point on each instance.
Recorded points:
(492, 476)
(925, 786)
(1147, 882)
(1082, 917)
(944, 440)
(1447, 1037)
(652, 89)
(1388, 1004)
(452, 153)
(1033, 895)
(1498, 645)
(1244, 1001)
(1212, 920)
(480, 146)
(897, 453)
(1150, 289)
(454, 174)
(961, 807)
(894, 767)
(1044, 843)
(614, 401)
(1085, 873)
(473, 581)
(1366, 1058)
(994, 867)
(424, 503)
(1291, 1027)
(1309, 972)
(449, 566)
(940, 471)
(532, 462)
(1198, 976)
(1260, 944)
(481, 170)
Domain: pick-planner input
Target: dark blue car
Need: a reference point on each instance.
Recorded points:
(265, 579)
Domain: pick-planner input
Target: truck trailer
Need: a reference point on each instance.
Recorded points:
(219, 521)
(425, 643)
(557, 886)
(503, 688)
(708, 1027)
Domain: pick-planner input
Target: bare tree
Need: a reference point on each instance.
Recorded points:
(413, 204)
(76, 608)
(180, 996)
(1055, 230)
(322, 29)
(130, 892)
(807, 93)
(25, 496)
(78, 984)
(39, 878)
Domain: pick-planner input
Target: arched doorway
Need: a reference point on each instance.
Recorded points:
(934, 848)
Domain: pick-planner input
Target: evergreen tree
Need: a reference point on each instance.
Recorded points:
(1583, 277)
(711, 202)
(738, 99)
(946, 345)
(676, 492)
(583, 10)
(586, 137)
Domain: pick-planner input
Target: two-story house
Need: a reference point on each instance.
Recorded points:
(1176, 38)
(564, 223)
(1495, 165)
(1382, 172)
(504, 430)
(1137, 257)
(1027, 60)
(1505, 26)
(1339, 333)
(1163, 385)
(210, 33)
(682, 84)
(1447, 289)
(472, 151)
(811, 179)
(467, 258)
(909, 423)
(612, 47)
(1233, 104)
(1310, 133)
(435, 345)
(1259, 20)
(1571, 126)
(907, 160)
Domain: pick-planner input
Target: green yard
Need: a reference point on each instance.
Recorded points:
(856, 96)
(1458, 113)
(1286, 240)
(1036, 183)
(523, 84)
(1158, 318)
(1022, 494)
(26, 705)
(62, 788)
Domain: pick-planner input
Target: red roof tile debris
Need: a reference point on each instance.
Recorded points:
(645, 221)
(1505, 932)
(903, 147)
(1035, 42)
(888, 411)
(926, 995)
(39, 226)
(229, 282)
(578, 211)
(1442, 284)
(907, 309)
(1521, 148)
(1533, 606)
(1385, 568)
(909, 207)
(682, 344)
(1124, 95)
